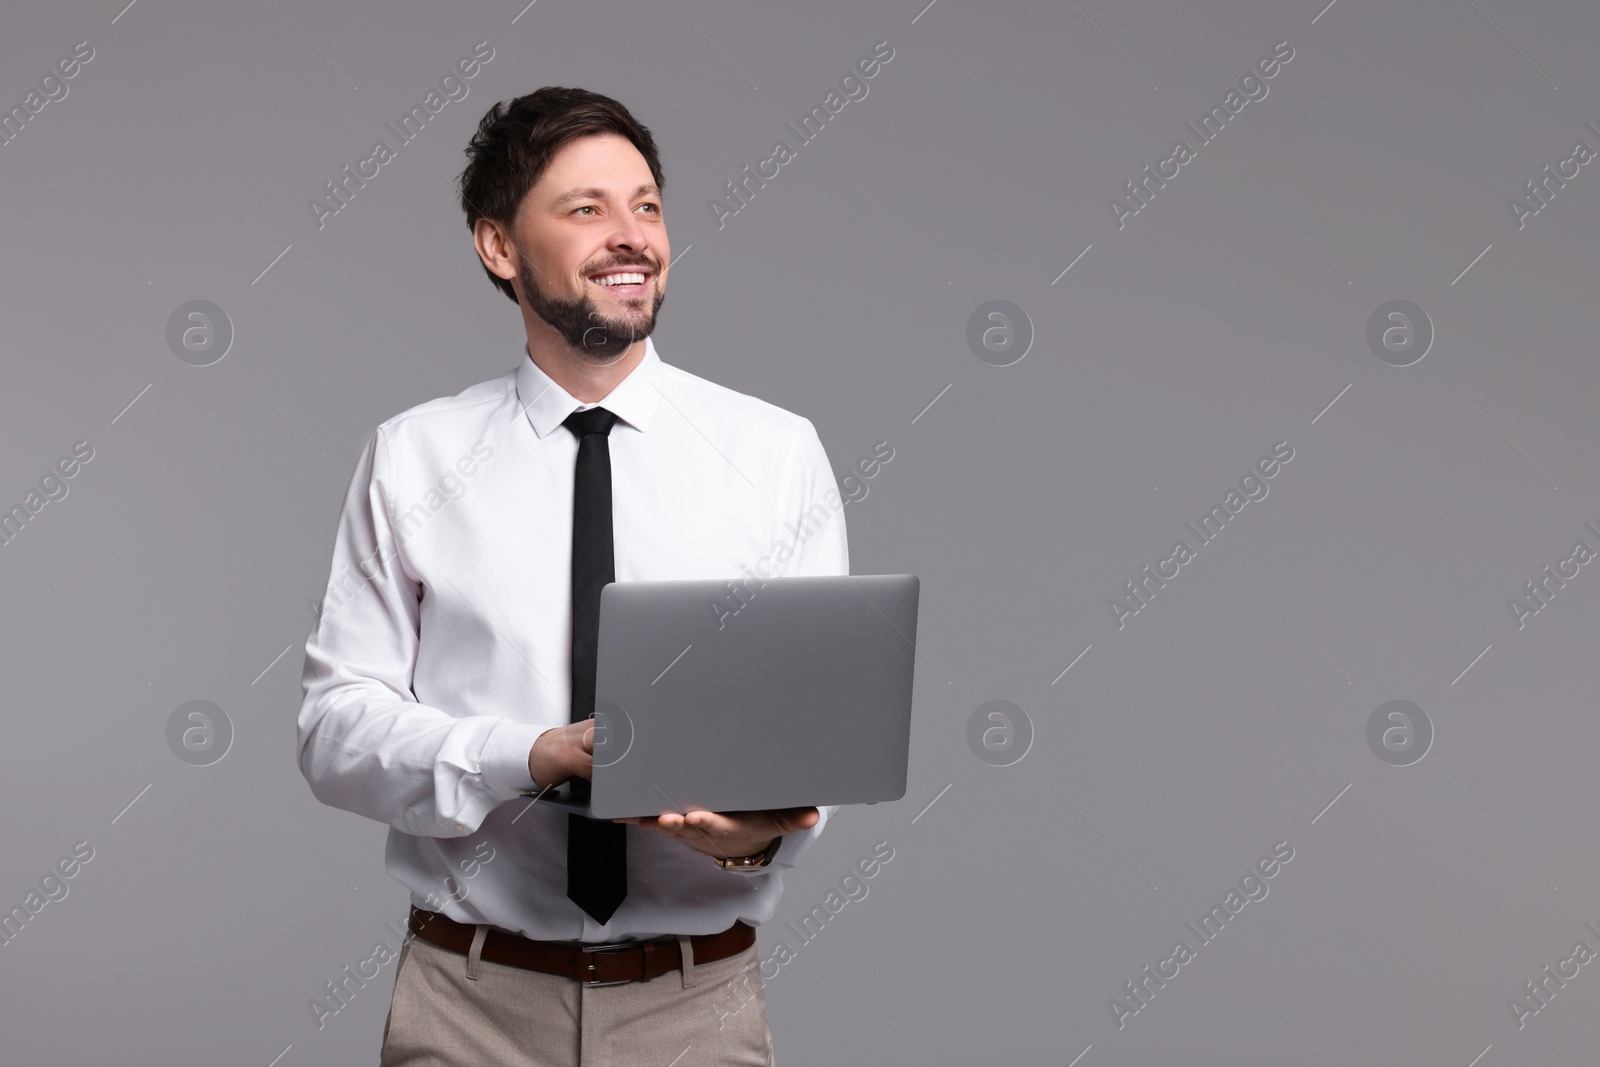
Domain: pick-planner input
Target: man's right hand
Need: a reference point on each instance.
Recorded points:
(561, 753)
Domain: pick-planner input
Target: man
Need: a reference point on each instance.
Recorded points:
(451, 667)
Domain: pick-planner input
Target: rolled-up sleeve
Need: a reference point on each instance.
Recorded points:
(825, 551)
(365, 743)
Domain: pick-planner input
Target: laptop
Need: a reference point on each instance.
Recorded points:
(722, 695)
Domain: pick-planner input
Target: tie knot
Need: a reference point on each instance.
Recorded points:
(592, 420)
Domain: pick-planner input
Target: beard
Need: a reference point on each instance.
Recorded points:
(581, 323)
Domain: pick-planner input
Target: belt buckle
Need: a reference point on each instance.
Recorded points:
(606, 946)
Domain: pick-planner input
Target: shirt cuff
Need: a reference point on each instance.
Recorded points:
(504, 764)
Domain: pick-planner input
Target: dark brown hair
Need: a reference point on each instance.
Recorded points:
(516, 141)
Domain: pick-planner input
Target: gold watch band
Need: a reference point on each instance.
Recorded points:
(747, 863)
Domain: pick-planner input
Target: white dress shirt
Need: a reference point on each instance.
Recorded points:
(443, 646)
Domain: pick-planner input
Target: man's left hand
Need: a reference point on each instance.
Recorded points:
(728, 834)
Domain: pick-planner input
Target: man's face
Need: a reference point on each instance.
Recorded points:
(595, 212)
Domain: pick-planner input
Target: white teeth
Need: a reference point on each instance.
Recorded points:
(621, 279)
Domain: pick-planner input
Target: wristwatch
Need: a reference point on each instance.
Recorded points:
(749, 863)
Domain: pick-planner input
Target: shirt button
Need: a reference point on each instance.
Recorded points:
(460, 827)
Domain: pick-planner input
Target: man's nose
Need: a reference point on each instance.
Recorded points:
(630, 235)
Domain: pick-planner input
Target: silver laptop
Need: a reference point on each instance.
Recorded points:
(724, 695)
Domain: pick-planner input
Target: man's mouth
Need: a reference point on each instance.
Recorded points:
(625, 282)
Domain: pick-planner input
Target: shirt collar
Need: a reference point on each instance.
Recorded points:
(547, 405)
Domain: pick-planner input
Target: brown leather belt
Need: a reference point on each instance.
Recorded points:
(604, 963)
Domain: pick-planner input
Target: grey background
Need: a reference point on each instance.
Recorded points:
(1225, 317)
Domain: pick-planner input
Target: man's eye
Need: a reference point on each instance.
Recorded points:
(586, 207)
(653, 207)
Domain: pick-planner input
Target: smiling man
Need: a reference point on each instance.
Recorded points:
(459, 669)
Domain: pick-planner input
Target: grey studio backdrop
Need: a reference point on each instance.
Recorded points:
(1100, 754)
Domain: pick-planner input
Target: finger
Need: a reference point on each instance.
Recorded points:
(712, 822)
(782, 820)
(803, 818)
(588, 740)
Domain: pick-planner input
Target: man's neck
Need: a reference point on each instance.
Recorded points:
(586, 379)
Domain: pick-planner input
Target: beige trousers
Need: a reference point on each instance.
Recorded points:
(450, 1010)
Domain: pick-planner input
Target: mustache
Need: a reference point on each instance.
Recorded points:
(646, 264)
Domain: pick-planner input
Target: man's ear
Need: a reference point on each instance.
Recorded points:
(495, 248)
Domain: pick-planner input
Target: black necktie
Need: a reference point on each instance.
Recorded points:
(597, 856)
